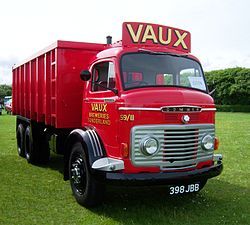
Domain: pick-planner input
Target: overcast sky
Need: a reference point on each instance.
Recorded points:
(220, 29)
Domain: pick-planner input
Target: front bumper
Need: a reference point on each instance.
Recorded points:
(165, 177)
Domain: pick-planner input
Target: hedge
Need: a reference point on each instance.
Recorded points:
(233, 108)
(232, 86)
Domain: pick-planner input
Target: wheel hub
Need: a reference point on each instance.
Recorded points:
(78, 175)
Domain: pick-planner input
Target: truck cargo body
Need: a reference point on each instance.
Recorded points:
(47, 88)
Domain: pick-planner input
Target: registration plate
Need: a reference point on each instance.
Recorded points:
(182, 189)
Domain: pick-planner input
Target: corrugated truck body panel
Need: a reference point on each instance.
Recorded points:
(47, 87)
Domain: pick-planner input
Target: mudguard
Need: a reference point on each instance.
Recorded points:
(91, 143)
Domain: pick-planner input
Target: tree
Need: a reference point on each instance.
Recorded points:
(5, 90)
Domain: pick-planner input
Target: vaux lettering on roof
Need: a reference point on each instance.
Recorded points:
(153, 34)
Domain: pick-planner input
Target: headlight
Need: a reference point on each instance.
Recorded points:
(149, 146)
(207, 142)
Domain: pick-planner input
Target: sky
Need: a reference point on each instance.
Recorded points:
(220, 29)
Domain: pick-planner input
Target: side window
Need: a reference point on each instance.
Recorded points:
(192, 77)
(185, 74)
(103, 76)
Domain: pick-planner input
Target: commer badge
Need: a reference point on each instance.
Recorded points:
(185, 119)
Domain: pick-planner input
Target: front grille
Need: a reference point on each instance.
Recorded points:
(172, 117)
(179, 145)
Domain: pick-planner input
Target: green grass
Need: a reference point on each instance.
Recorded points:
(38, 195)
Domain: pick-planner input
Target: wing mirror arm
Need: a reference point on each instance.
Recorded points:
(212, 92)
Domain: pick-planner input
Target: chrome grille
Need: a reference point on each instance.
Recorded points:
(179, 148)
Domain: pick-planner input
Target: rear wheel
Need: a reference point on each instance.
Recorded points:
(36, 146)
(30, 153)
(86, 189)
(20, 140)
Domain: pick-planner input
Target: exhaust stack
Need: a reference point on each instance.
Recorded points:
(109, 40)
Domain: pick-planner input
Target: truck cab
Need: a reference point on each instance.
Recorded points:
(149, 105)
(147, 96)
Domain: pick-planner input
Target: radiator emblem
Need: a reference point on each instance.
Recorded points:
(185, 119)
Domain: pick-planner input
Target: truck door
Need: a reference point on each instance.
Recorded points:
(100, 101)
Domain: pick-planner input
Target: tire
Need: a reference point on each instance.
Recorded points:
(30, 154)
(20, 140)
(86, 189)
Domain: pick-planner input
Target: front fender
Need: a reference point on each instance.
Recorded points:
(92, 145)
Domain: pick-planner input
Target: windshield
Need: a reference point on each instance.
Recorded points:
(145, 69)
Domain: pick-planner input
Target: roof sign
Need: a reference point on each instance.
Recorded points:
(145, 34)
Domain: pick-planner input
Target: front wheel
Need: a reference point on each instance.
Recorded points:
(86, 189)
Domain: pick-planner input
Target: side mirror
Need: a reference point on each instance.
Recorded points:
(85, 75)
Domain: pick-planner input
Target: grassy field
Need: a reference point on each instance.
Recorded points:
(38, 195)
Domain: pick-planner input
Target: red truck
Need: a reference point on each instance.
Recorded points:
(137, 111)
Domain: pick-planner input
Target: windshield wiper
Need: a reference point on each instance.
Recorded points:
(161, 53)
